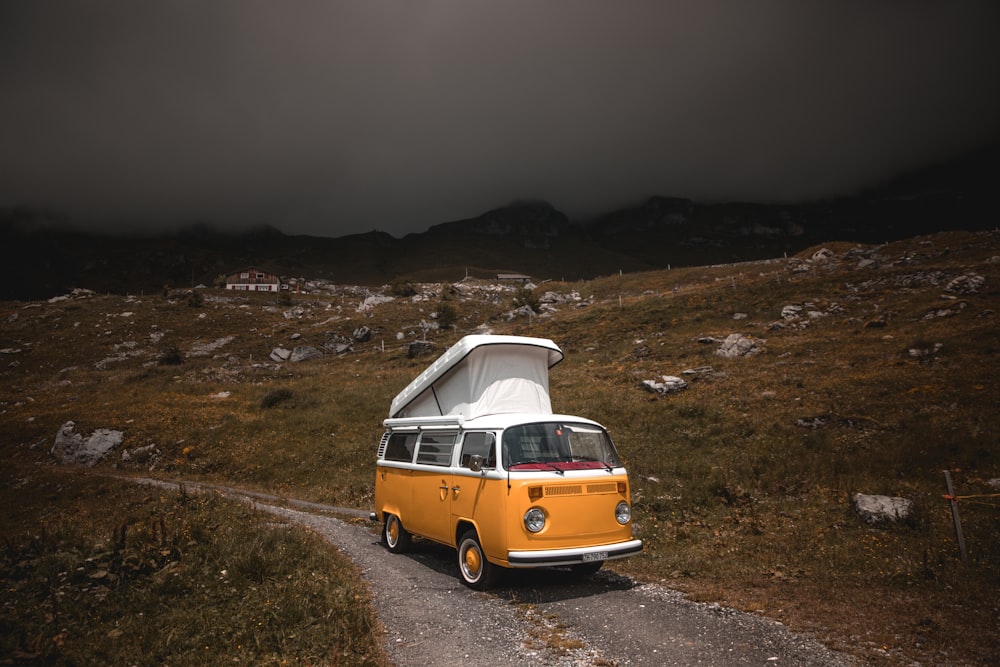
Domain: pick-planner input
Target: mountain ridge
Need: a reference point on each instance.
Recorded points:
(42, 256)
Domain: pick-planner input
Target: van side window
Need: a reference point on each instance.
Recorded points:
(481, 444)
(400, 447)
(435, 448)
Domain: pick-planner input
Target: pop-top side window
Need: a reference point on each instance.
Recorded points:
(400, 447)
(481, 444)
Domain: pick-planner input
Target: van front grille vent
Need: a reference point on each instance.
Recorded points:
(564, 490)
(578, 490)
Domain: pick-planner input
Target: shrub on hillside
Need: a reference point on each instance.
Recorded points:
(171, 356)
(275, 398)
(447, 314)
(526, 297)
(400, 287)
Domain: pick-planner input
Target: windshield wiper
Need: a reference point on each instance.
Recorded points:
(607, 466)
(537, 462)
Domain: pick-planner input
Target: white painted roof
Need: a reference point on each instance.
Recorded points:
(483, 374)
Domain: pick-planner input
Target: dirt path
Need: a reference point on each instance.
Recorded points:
(538, 617)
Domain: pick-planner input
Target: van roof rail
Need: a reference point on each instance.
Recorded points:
(426, 422)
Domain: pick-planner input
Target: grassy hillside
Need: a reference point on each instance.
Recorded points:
(877, 379)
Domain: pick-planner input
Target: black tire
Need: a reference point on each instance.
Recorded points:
(586, 569)
(395, 538)
(475, 571)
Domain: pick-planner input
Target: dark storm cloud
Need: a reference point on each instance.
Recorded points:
(336, 117)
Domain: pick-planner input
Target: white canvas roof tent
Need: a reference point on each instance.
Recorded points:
(482, 375)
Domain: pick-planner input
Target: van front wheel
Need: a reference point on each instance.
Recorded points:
(394, 536)
(476, 572)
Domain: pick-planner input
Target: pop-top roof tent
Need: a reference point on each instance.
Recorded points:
(482, 375)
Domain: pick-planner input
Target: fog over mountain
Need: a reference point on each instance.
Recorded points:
(40, 259)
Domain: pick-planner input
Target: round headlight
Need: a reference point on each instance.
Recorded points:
(534, 520)
(623, 513)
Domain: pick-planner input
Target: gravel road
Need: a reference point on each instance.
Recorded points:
(539, 617)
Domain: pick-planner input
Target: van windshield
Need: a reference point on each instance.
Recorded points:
(558, 446)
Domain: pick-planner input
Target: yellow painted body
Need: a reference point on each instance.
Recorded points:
(439, 504)
(580, 511)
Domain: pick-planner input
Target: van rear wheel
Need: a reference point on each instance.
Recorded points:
(476, 572)
(394, 536)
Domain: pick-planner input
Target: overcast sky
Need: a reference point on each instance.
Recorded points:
(331, 117)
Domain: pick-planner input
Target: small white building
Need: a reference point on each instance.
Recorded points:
(252, 279)
(514, 278)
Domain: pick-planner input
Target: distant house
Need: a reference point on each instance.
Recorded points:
(252, 279)
(514, 277)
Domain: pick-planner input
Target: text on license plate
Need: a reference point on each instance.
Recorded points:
(596, 555)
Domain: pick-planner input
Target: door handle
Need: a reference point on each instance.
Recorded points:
(456, 488)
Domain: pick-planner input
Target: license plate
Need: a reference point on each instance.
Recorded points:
(597, 555)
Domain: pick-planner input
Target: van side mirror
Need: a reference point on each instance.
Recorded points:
(475, 463)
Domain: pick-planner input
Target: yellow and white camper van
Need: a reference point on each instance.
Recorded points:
(473, 457)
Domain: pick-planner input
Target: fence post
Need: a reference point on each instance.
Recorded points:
(954, 516)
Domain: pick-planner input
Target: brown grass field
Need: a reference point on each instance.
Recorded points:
(742, 483)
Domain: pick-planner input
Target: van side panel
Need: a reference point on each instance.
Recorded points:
(481, 501)
(430, 504)
(392, 492)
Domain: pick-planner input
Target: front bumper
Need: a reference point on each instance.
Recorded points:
(553, 557)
